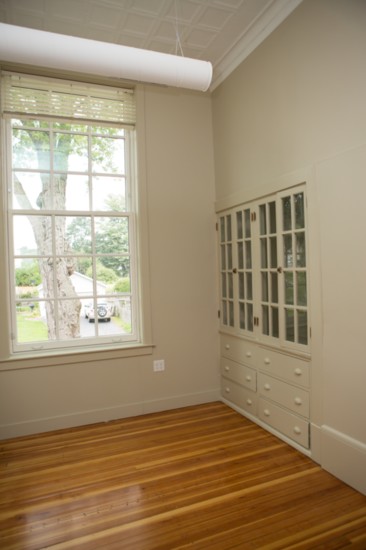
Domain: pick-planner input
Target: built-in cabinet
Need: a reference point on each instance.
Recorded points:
(264, 312)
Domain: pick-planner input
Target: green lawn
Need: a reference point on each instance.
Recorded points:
(31, 329)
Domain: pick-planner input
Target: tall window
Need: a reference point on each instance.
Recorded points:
(71, 213)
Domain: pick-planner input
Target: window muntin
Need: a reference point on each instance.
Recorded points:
(72, 234)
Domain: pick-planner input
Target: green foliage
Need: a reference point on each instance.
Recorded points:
(122, 285)
(28, 275)
(104, 274)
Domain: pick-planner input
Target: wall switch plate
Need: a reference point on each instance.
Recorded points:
(159, 365)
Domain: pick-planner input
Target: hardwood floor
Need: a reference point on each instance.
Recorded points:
(201, 477)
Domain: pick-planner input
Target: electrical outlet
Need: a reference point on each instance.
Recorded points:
(159, 365)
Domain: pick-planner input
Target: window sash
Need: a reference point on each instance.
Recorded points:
(47, 104)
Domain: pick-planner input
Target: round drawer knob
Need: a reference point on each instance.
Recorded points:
(298, 372)
(298, 401)
(249, 402)
(248, 378)
(227, 368)
(227, 346)
(248, 354)
(227, 390)
(266, 412)
(267, 387)
(297, 430)
(267, 361)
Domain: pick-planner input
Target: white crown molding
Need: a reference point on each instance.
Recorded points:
(262, 27)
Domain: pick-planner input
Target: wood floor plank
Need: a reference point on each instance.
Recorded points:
(199, 477)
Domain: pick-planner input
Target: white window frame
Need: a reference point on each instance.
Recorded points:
(139, 338)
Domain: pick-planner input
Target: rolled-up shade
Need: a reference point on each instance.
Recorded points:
(32, 95)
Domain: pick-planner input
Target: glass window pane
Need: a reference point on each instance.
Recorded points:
(286, 213)
(264, 287)
(300, 250)
(289, 287)
(264, 256)
(111, 235)
(299, 211)
(27, 277)
(228, 228)
(290, 325)
(122, 314)
(75, 234)
(25, 228)
(241, 286)
(274, 288)
(230, 285)
(66, 126)
(222, 230)
(231, 313)
(223, 257)
(70, 152)
(302, 327)
(250, 317)
(31, 322)
(242, 315)
(301, 289)
(224, 312)
(108, 155)
(109, 193)
(240, 256)
(265, 320)
(273, 248)
(248, 255)
(110, 269)
(272, 217)
(229, 256)
(28, 191)
(262, 220)
(76, 192)
(31, 149)
(223, 285)
(287, 251)
(239, 225)
(275, 323)
(247, 223)
(249, 287)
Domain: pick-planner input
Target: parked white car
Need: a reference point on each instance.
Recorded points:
(104, 312)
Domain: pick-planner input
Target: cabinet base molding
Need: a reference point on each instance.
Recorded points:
(268, 428)
(344, 457)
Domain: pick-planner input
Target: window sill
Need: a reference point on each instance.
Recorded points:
(50, 359)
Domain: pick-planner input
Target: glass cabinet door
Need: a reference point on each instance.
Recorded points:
(244, 270)
(226, 271)
(269, 310)
(294, 266)
(263, 269)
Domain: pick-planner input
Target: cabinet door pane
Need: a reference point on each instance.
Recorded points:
(294, 268)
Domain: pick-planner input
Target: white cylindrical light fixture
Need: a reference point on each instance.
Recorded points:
(59, 51)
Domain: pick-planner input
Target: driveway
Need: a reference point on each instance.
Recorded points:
(104, 329)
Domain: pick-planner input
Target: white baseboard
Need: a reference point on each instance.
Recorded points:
(344, 457)
(8, 431)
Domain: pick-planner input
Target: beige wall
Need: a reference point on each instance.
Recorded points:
(176, 165)
(297, 106)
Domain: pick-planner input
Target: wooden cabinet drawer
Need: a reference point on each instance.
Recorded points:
(295, 399)
(238, 350)
(243, 398)
(290, 368)
(287, 423)
(239, 373)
